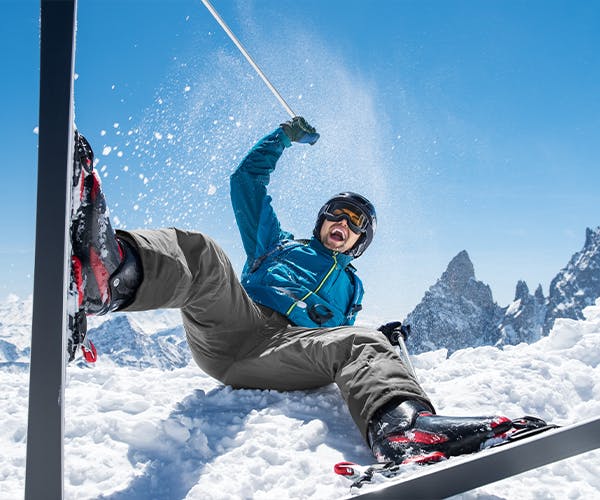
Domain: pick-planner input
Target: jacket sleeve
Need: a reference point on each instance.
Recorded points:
(254, 215)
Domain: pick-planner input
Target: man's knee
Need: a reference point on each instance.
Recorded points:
(356, 336)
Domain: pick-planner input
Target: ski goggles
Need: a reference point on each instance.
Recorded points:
(356, 219)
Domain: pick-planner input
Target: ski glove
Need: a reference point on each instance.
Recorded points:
(394, 330)
(299, 130)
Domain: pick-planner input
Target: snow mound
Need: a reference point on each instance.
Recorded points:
(172, 434)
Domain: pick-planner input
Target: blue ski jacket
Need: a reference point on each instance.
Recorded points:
(301, 279)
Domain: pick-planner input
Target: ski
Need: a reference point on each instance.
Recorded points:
(45, 428)
(532, 449)
(362, 474)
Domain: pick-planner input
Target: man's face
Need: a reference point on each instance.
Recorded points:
(337, 236)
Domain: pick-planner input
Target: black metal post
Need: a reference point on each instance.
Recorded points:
(45, 431)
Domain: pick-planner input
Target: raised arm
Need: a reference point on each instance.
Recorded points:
(256, 220)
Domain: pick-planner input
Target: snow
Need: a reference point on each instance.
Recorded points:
(514, 308)
(178, 434)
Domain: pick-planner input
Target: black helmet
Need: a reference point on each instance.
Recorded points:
(359, 214)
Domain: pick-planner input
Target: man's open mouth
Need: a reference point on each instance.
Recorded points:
(337, 235)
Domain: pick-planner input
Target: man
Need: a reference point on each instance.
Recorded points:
(287, 324)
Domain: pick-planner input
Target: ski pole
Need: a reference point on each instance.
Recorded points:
(397, 333)
(244, 52)
(405, 355)
(400, 335)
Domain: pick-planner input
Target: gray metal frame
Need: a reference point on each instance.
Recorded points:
(45, 431)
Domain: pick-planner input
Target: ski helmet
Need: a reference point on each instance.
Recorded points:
(358, 212)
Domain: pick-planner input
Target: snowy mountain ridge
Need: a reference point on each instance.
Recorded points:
(126, 343)
(458, 311)
(578, 284)
(15, 329)
(455, 307)
(140, 340)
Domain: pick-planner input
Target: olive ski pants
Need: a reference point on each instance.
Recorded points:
(246, 345)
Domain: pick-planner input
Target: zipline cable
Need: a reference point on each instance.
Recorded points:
(244, 52)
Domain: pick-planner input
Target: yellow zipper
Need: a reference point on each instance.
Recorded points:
(316, 289)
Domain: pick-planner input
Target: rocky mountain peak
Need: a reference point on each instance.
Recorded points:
(539, 294)
(592, 238)
(459, 271)
(457, 312)
(522, 291)
(577, 285)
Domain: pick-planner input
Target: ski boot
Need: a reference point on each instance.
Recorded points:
(105, 271)
(408, 432)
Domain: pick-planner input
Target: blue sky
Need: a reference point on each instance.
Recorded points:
(471, 125)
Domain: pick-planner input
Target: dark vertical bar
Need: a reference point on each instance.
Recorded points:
(45, 431)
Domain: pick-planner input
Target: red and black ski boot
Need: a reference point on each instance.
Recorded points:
(105, 271)
(409, 432)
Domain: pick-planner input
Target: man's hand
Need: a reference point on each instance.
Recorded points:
(394, 330)
(299, 130)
